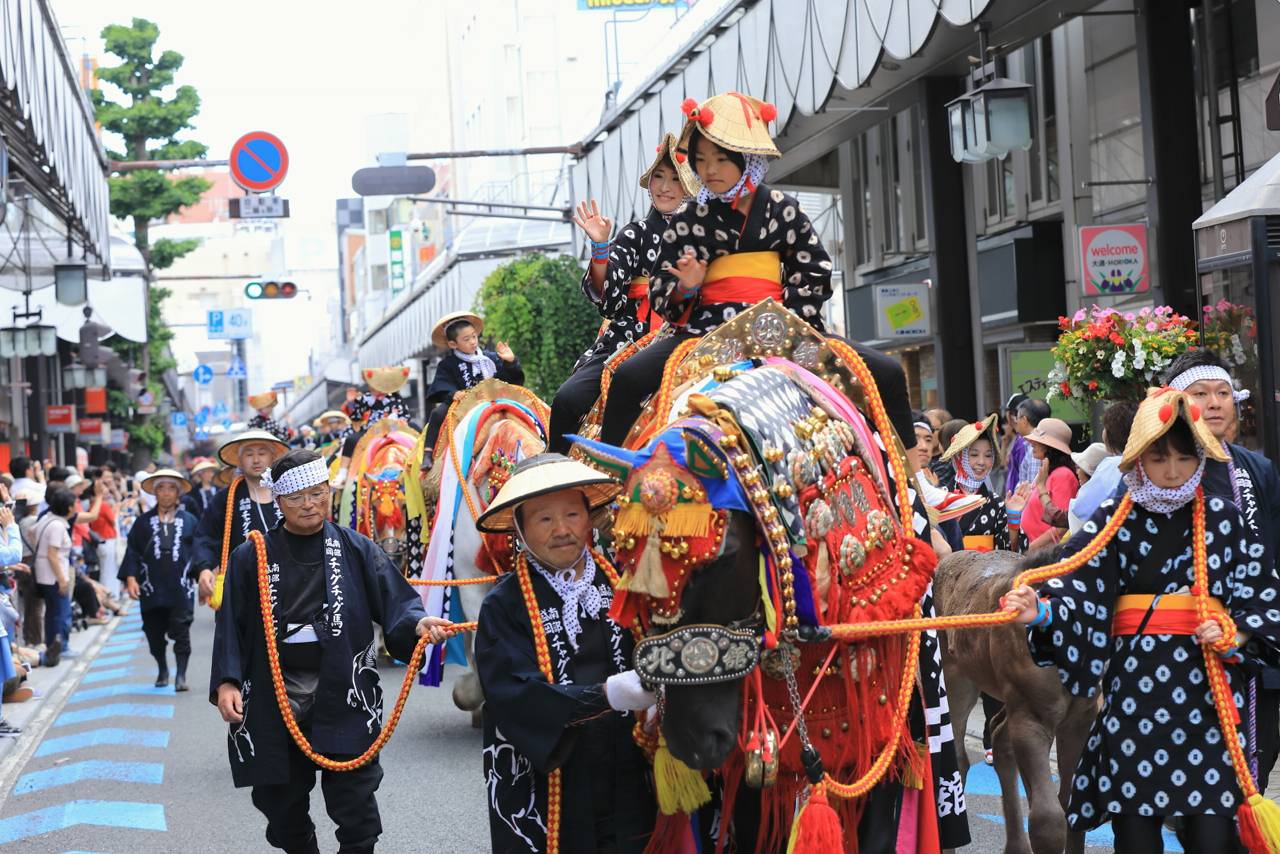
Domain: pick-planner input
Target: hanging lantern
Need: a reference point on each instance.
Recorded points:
(960, 122)
(990, 121)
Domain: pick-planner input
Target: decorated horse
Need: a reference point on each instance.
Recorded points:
(375, 500)
(765, 501)
(486, 431)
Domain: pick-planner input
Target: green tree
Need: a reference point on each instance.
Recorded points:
(534, 303)
(148, 123)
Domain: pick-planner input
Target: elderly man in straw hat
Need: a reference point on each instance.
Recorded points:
(328, 586)
(203, 489)
(156, 555)
(243, 506)
(564, 720)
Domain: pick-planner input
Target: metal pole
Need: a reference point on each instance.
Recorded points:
(575, 150)
(444, 201)
(162, 165)
(456, 212)
(1211, 98)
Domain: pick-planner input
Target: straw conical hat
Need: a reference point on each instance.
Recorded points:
(152, 480)
(386, 380)
(970, 433)
(438, 336)
(329, 416)
(1156, 415)
(225, 475)
(266, 400)
(229, 453)
(203, 465)
(668, 152)
(543, 475)
(732, 120)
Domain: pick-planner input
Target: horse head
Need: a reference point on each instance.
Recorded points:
(382, 500)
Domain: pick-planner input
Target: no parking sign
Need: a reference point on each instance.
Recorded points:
(259, 161)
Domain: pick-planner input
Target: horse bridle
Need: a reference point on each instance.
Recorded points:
(701, 653)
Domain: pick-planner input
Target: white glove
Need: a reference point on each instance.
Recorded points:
(625, 693)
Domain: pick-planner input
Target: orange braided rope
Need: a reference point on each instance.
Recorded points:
(226, 524)
(543, 654)
(451, 582)
(277, 677)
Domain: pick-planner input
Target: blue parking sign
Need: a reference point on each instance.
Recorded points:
(178, 419)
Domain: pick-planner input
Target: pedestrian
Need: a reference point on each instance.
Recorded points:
(939, 418)
(328, 586)
(1105, 480)
(264, 405)
(27, 477)
(10, 556)
(251, 507)
(1045, 502)
(617, 282)
(203, 491)
(1008, 437)
(1023, 465)
(1251, 482)
(464, 365)
(155, 572)
(741, 242)
(103, 528)
(51, 538)
(26, 506)
(1129, 622)
(558, 725)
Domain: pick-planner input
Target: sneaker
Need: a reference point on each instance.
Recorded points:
(990, 758)
(8, 730)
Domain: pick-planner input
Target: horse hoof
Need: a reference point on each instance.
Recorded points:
(467, 695)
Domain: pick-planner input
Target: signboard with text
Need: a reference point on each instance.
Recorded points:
(396, 256)
(95, 430)
(627, 5)
(234, 323)
(1113, 260)
(1029, 375)
(59, 418)
(902, 311)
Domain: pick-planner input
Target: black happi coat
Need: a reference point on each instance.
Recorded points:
(272, 426)
(634, 252)
(157, 555)
(198, 500)
(1156, 748)
(250, 516)
(361, 588)
(454, 375)
(532, 728)
(774, 223)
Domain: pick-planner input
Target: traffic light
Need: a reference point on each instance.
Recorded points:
(271, 290)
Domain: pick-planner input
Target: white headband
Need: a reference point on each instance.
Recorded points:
(924, 425)
(298, 478)
(1190, 376)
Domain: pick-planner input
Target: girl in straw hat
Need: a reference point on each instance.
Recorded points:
(617, 281)
(383, 400)
(1132, 621)
(971, 457)
(265, 404)
(740, 243)
(156, 556)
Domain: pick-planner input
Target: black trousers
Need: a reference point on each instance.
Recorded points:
(573, 401)
(174, 622)
(634, 381)
(990, 708)
(349, 798)
(1200, 834)
(434, 422)
(32, 607)
(1268, 728)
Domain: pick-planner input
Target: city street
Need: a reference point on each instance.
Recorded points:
(126, 768)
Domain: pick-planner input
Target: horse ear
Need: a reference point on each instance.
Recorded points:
(702, 461)
(613, 461)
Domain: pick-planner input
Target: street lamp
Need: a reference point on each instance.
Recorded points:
(71, 282)
(990, 121)
(24, 341)
(77, 376)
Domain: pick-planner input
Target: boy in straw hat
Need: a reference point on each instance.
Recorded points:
(252, 506)
(157, 552)
(464, 365)
(578, 722)
(265, 404)
(742, 242)
(1127, 621)
(200, 497)
(329, 586)
(617, 282)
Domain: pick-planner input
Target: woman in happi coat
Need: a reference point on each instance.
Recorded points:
(328, 587)
(157, 552)
(617, 282)
(559, 759)
(1126, 623)
(232, 516)
(740, 242)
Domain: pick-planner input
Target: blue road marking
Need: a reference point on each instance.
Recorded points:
(119, 646)
(128, 814)
(111, 710)
(104, 735)
(137, 689)
(127, 633)
(982, 780)
(1102, 837)
(108, 674)
(120, 658)
(95, 769)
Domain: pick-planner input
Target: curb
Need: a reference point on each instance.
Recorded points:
(34, 731)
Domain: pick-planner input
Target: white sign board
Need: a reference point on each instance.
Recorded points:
(903, 311)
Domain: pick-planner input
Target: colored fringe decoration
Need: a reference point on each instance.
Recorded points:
(648, 577)
(686, 519)
(816, 829)
(672, 834)
(680, 788)
(1259, 824)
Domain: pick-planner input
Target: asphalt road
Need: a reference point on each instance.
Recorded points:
(127, 769)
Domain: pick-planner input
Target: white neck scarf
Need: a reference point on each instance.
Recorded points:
(1158, 499)
(964, 472)
(575, 591)
(480, 362)
(752, 176)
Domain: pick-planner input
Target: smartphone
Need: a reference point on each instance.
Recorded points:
(128, 484)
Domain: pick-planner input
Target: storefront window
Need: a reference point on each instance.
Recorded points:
(1115, 112)
(1229, 327)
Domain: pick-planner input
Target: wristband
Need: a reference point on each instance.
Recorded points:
(1014, 517)
(1231, 656)
(1044, 615)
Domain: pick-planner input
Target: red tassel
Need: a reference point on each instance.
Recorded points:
(688, 106)
(706, 117)
(1250, 834)
(819, 830)
(768, 112)
(672, 834)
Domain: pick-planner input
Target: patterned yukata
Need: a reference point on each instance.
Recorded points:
(1156, 748)
(989, 520)
(272, 426)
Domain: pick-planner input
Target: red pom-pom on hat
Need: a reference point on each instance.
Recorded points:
(688, 106)
(681, 157)
(1166, 412)
(768, 112)
(1195, 412)
(706, 117)
(977, 425)
(658, 147)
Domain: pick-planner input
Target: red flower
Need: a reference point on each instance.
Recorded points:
(1116, 339)
(1093, 385)
(1066, 390)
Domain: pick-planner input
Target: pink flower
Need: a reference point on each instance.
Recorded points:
(1151, 327)
(1129, 318)
(1223, 305)
(1145, 311)
(1078, 317)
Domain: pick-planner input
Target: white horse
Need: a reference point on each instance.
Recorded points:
(488, 430)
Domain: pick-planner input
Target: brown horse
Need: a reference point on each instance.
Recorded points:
(1037, 710)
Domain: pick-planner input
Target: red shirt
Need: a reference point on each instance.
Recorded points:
(105, 525)
(1062, 487)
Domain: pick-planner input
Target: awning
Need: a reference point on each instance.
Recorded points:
(119, 302)
(1257, 195)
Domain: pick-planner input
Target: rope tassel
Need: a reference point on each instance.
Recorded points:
(680, 788)
(816, 829)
